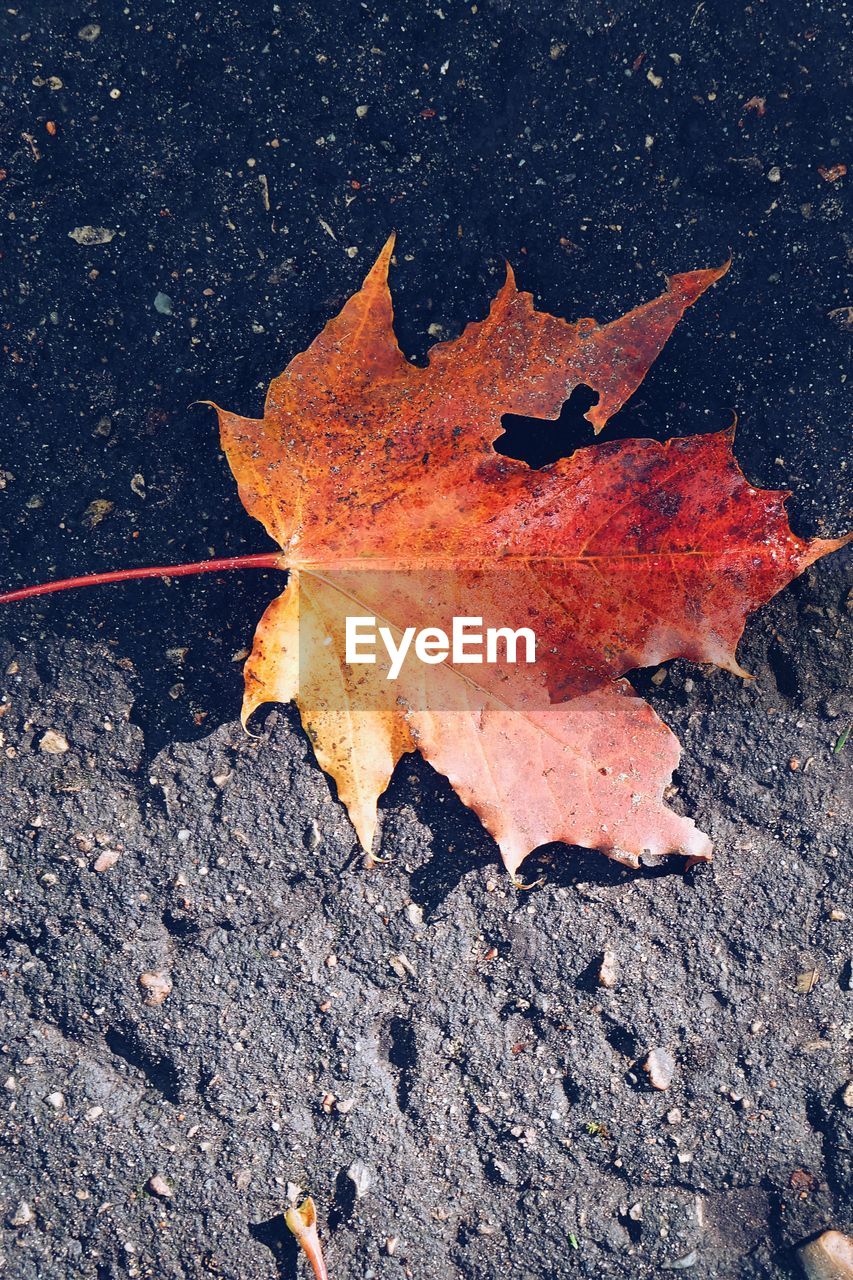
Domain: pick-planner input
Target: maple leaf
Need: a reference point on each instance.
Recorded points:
(380, 483)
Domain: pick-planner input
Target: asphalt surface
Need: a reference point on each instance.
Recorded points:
(241, 167)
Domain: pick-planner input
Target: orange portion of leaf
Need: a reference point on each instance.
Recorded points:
(350, 714)
(351, 424)
(380, 483)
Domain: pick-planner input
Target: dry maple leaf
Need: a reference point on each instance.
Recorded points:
(379, 481)
(381, 485)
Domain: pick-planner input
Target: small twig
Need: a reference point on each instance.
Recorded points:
(303, 1223)
(524, 886)
(31, 143)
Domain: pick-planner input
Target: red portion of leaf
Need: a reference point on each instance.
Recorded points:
(350, 420)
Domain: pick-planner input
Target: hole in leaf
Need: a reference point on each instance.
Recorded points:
(541, 441)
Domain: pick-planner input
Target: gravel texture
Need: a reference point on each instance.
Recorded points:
(189, 193)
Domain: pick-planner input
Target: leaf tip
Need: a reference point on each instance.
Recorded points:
(598, 416)
(723, 269)
(379, 270)
(690, 285)
(364, 819)
(251, 702)
(819, 547)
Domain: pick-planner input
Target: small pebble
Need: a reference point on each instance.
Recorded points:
(157, 987)
(683, 1264)
(360, 1177)
(105, 860)
(53, 743)
(401, 965)
(91, 235)
(96, 511)
(163, 304)
(806, 981)
(89, 33)
(503, 1171)
(94, 1113)
(847, 1095)
(56, 1100)
(774, 174)
(345, 1105)
(659, 1066)
(22, 1215)
(608, 970)
(158, 1186)
(829, 1257)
